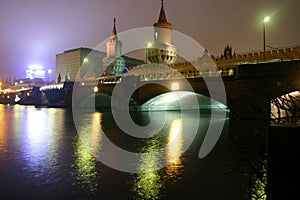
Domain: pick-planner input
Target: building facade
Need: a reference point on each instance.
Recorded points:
(162, 51)
(77, 63)
(83, 62)
(114, 63)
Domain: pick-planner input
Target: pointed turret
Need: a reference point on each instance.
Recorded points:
(162, 19)
(59, 78)
(162, 51)
(113, 45)
(114, 63)
(114, 31)
(162, 15)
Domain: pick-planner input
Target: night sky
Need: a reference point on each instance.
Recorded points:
(34, 31)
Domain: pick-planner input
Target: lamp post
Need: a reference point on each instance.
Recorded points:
(265, 20)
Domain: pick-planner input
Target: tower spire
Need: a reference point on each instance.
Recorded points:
(162, 51)
(162, 15)
(162, 19)
(114, 63)
(114, 31)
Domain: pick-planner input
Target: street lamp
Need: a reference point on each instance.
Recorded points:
(265, 20)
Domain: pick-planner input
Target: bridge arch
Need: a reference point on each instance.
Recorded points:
(181, 100)
(285, 108)
(152, 90)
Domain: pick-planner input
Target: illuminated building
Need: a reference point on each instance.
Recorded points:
(35, 71)
(85, 59)
(25, 82)
(162, 51)
(114, 63)
(84, 63)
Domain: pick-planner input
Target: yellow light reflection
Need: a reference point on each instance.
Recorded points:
(56, 122)
(148, 185)
(3, 138)
(174, 150)
(258, 187)
(96, 132)
(88, 143)
(85, 165)
(91, 132)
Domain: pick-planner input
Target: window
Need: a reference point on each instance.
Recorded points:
(155, 35)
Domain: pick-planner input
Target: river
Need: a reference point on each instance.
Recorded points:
(45, 155)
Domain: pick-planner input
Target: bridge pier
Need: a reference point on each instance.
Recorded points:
(256, 85)
(253, 100)
(258, 108)
(37, 95)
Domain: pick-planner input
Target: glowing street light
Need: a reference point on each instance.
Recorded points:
(265, 20)
(175, 86)
(96, 89)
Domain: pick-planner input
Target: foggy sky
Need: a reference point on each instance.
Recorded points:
(34, 31)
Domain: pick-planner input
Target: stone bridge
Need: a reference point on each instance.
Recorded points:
(247, 93)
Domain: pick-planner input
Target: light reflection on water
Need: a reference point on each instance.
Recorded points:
(149, 185)
(85, 163)
(4, 146)
(86, 168)
(35, 141)
(174, 150)
(146, 185)
(42, 156)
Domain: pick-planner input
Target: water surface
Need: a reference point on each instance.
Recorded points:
(44, 156)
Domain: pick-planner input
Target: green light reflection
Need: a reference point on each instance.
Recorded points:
(259, 183)
(85, 165)
(85, 162)
(150, 185)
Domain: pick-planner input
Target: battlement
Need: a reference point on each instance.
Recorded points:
(280, 54)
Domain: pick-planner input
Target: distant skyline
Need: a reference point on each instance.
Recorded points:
(34, 31)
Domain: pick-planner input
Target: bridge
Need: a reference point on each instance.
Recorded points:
(249, 89)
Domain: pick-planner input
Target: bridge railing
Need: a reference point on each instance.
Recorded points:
(161, 72)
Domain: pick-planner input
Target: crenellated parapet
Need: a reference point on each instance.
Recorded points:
(272, 55)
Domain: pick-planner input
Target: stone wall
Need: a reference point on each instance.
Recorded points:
(278, 54)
